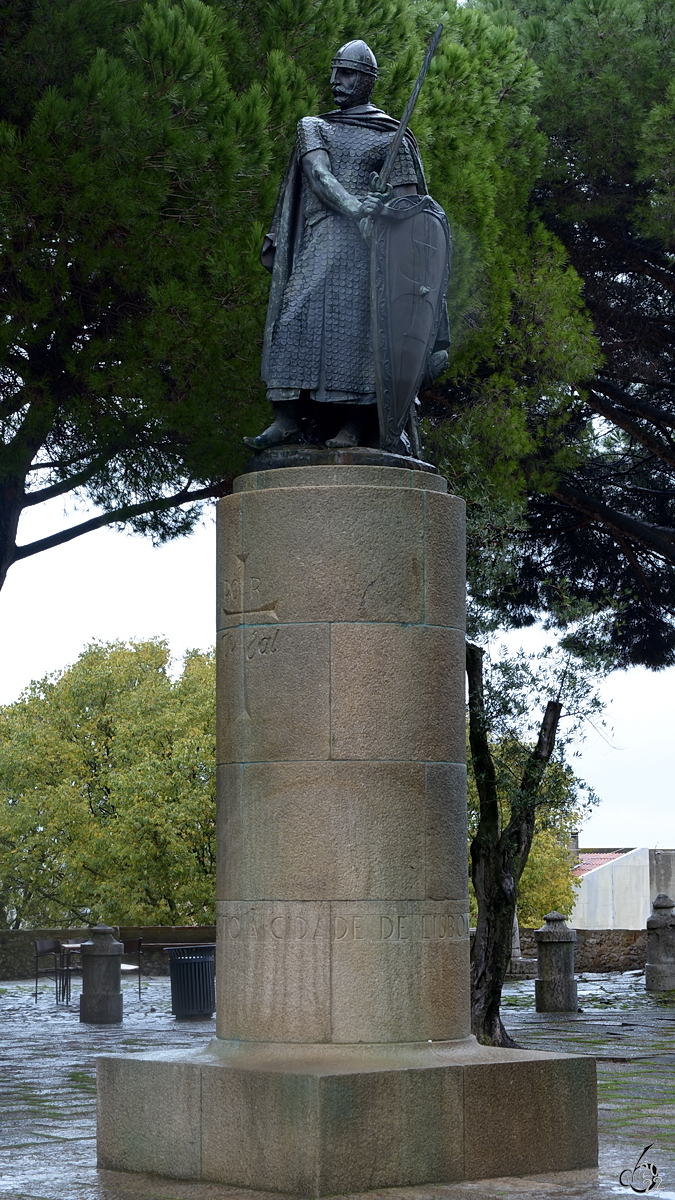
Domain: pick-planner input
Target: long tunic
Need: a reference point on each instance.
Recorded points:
(318, 334)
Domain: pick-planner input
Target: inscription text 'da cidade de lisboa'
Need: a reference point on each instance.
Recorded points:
(252, 923)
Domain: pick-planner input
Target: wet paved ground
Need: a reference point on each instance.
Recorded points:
(47, 1092)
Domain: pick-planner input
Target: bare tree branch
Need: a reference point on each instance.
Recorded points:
(649, 411)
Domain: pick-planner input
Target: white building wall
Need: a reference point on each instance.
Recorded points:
(615, 895)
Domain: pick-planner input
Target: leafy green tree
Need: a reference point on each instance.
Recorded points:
(547, 882)
(142, 147)
(107, 792)
(600, 531)
(519, 781)
(127, 284)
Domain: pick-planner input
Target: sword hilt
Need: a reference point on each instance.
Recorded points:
(378, 188)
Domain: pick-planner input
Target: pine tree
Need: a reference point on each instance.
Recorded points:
(142, 148)
(600, 531)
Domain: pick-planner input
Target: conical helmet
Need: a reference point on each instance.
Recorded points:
(356, 56)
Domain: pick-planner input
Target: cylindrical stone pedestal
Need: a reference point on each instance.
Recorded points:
(101, 999)
(342, 885)
(555, 989)
(344, 1060)
(660, 968)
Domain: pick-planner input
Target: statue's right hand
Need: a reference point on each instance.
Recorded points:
(371, 206)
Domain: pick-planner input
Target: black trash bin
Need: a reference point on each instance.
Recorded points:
(193, 991)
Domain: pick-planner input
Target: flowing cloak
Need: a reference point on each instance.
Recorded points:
(317, 335)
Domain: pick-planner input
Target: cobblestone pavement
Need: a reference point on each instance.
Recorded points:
(47, 1092)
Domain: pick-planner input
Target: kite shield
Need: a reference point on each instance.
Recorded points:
(410, 264)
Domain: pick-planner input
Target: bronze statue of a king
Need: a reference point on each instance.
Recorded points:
(357, 318)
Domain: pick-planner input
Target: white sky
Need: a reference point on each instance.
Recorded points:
(107, 585)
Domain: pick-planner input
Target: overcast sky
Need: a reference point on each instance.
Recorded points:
(107, 585)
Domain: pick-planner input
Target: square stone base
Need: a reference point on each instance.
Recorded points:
(321, 1120)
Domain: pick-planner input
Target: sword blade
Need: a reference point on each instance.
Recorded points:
(410, 107)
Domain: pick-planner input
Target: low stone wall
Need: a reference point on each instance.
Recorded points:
(600, 949)
(596, 949)
(17, 946)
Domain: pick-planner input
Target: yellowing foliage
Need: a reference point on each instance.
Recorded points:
(547, 883)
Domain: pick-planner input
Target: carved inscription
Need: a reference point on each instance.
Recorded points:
(259, 643)
(242, 595)
(401, 927)
(233, 590)
(257, 925)
(228, 643)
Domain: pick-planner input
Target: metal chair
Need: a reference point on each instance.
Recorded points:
(133, 946)
(68, 967)
(45, 946)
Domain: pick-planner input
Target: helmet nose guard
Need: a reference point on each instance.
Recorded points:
(356, 56)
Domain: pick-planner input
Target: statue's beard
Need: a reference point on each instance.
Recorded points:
(360, 93)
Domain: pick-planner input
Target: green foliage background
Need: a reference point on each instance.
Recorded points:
(598, 532)
(107, 792)
(142, 145)
(547, 883)
(142, 148)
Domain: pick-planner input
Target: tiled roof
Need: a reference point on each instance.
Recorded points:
(590, 859)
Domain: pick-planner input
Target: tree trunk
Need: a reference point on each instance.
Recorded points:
(498, 857)
(10, 511)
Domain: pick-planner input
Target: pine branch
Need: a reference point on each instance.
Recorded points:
(654, 266)
(119, 516)
(649, 411)
(653, 537)
(11, 405)
(614, 414)
(69, 484)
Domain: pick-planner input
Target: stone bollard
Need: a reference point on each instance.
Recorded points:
(660, 969)
(555, 989)
(101, 999)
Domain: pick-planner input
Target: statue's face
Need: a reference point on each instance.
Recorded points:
(350, 87)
